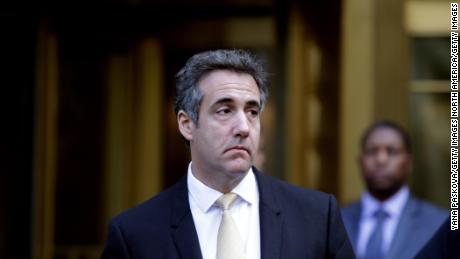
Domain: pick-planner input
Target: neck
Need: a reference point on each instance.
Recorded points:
(222, 182)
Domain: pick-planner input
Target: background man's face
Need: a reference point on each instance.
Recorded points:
(385, 162)
(227, 135)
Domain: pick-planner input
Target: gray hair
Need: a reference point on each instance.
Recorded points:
(188, 95)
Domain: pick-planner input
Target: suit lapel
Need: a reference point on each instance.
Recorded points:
(270, 219)
(405, 232)
(182, 225)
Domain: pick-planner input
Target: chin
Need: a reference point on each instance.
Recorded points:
(239, 166)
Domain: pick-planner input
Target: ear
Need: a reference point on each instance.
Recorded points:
(186, 125)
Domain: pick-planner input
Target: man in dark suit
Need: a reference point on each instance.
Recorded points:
(389, 222)
(224, 207)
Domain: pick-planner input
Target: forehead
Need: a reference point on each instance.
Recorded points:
(225, 82)
(384, 136)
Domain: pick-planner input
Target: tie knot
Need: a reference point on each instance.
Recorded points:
(380, 214)
(225, 201)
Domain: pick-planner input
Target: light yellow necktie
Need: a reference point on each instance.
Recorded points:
(229, 244)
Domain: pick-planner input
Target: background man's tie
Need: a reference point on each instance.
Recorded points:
(229, 244)
(374, 245)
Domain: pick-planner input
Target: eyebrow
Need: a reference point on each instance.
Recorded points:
(253, 104)
(227, 100)
(224, 100)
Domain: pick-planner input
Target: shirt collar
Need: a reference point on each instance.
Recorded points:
(393, 206)
(205, 196)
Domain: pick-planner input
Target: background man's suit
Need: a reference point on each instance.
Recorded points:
(294, 223)
(418, 223)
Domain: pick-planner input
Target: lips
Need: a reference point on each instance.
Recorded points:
(238, 148)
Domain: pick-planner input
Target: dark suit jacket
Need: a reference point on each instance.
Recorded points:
(445, 244)
(417, 224)
(294, 223)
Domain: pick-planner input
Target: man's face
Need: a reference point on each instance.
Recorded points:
(226, 138)
(385, 162)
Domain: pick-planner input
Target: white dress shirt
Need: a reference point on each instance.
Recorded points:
(207, 216)
(393, 206)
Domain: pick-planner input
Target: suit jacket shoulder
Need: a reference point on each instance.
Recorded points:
(155, 209)
(427, 210)
(161, 227)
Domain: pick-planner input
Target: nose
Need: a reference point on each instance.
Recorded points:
(382, 157)
(241, 126)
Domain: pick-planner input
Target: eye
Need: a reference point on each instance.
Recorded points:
(393, 151)
(370, 151)
(224, 111)
(254, 112)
